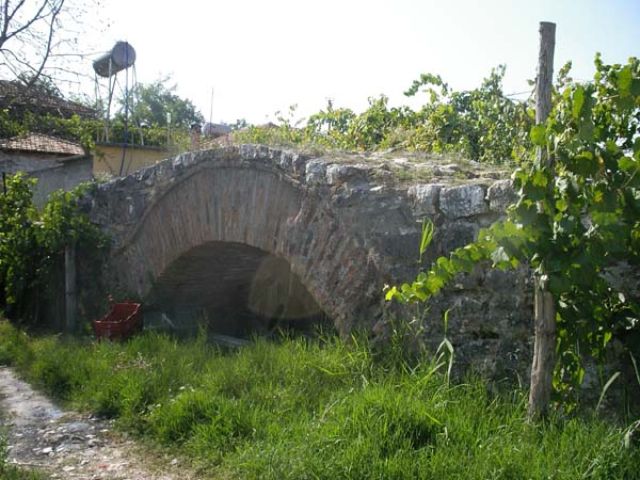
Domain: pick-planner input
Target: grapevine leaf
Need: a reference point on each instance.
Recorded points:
(500, 258)
(538, 135)
(625, 78)
(578, 102)
(628, 165)
(391, 294)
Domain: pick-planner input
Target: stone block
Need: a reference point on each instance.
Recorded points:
(291, 162)
(338, 174)
(425, 198)
(455, 234)
(316, 172)
(463, 201)
(500, 195)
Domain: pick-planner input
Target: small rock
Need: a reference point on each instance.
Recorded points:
(47, 450)
(446, 170)
(74, 446)
(76, 427)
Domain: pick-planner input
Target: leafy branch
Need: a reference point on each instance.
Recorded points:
(32, 240)
(574, 222)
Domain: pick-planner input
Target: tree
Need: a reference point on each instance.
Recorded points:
(39, 40)
(151, 104)
(41, 86)
(27, 34)
(39, 37)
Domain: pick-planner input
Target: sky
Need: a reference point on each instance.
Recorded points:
(259, 57)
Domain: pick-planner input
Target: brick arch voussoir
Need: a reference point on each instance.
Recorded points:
(258, 207)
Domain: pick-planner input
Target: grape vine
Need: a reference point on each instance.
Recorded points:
(482, 124)
(575, 223)
(31, 240)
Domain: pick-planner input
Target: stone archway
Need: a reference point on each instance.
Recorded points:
(164, 216)
(343, 227)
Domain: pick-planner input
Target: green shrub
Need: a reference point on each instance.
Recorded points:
(14, 345)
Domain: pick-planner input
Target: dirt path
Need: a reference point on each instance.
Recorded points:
(68, 445)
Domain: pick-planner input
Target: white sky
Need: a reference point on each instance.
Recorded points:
(262, 56)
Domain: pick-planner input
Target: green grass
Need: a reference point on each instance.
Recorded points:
(319, 410)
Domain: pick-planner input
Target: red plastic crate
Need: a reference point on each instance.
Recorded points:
(123, 321)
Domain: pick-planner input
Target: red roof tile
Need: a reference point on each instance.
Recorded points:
(36, 142)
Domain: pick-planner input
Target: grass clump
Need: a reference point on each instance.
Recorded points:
(324, 410)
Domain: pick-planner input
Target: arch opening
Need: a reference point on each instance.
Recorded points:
(233, 290)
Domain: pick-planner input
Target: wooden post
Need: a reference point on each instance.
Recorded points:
(544, 78)
(70, 287)
(544, 349)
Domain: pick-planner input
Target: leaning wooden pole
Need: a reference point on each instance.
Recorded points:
(544, 349)
(70, 287)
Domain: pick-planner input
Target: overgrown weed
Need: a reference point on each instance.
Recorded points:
(325, 409)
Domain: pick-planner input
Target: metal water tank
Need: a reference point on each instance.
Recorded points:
(121, 56)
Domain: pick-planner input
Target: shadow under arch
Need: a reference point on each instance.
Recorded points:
(232, 289)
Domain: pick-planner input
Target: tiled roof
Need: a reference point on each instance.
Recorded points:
(13, 94)
(36, 142)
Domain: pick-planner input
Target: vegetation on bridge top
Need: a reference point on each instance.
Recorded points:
(482, 124)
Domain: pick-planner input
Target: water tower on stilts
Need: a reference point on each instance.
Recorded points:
(121, 58)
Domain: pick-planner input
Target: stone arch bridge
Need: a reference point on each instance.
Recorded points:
(253, 232)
